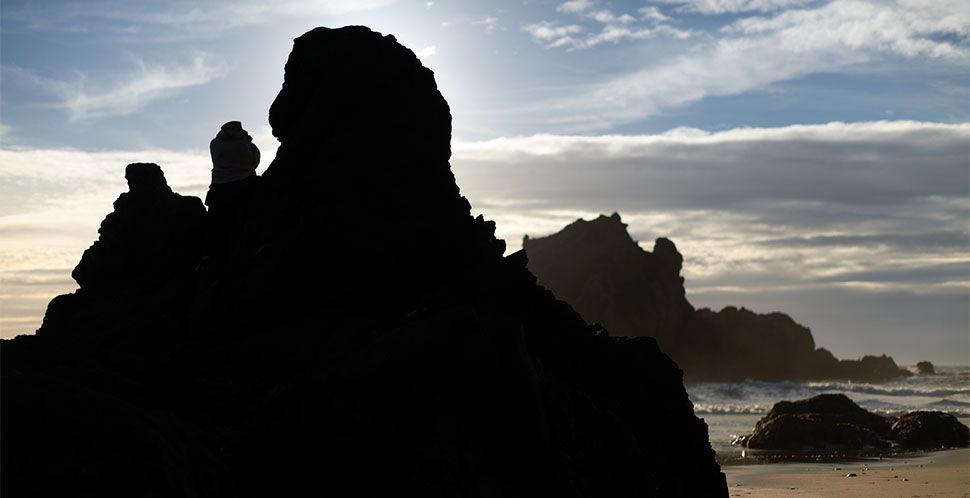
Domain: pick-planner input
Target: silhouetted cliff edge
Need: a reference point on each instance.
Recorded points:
(605, 276)
(362, 336)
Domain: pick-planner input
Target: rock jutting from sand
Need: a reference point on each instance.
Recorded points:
(598, 269)
(359, 333)
(834, 422)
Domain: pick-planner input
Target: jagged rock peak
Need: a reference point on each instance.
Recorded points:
(146, 178)
(665, 250)
(606, 231)
(607, 235)
(349, 89)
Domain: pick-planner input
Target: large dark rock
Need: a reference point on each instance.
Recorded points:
(925, 368)
(603, 273)
(153, 235)
(142, 263)
(833, 421)
(923, 429)
(362, 335)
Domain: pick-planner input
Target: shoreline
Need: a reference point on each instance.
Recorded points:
(935, 473)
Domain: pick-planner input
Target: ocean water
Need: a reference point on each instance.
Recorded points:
(732, 408)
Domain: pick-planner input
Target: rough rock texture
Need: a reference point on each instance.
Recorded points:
(925, 429)
(362, 336)
(604, 275)
(833, 421)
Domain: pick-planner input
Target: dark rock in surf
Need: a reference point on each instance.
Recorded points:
(827, 421)
(925, 368)
(927, 429)
(833, 421)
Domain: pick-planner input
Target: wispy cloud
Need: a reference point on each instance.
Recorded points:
(651, 13)
(5, 132)
(490, 23)
(573, 6)
(650, 23)
(188, 17)
(147, 83)
(754, 52)
(733, 6)
(549, 32)
(427, 51)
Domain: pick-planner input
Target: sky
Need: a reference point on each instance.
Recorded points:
(810, 157)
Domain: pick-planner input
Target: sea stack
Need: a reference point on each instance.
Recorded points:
(363, 335)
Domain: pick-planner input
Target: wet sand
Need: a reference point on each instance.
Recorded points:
(936, 474)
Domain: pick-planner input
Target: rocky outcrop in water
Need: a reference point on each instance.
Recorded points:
(833, 421)
(604, 275)
(361, 334)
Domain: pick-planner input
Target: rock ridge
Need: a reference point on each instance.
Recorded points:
(600, 270)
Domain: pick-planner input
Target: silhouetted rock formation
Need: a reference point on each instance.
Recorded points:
(363, 336)
(142, 262)
(833, 421)
(925, 367)
(605, 276)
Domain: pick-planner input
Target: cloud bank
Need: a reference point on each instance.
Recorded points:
(859, 230)
(774, 204)
(863, 225)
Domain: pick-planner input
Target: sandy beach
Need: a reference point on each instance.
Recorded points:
(937, 474)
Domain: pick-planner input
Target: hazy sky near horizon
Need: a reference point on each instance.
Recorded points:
(811, 157)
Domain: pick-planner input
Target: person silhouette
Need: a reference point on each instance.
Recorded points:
(234, 161)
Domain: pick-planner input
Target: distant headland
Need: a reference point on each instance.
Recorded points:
(598, 269)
